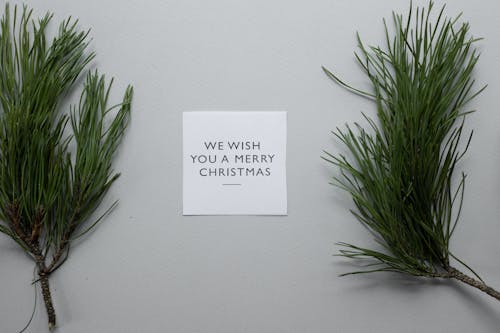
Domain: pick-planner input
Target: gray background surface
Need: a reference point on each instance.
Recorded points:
(149, 269)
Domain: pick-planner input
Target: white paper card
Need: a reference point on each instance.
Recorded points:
(234, 163)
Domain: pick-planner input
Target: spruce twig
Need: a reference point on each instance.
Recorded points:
(401, 170)
(51, 182)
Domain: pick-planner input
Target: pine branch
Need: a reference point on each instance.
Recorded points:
(46, 195)
(400, 172)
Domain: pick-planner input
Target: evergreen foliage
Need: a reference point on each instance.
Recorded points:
(52, 176)
(401, 170)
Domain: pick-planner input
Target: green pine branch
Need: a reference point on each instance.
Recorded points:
(401, 169)
(51, 182)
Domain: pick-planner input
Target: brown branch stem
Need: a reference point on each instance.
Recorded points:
(58, 254)
(47, 298)
(454, 273)
(44, 274)
(65, 241)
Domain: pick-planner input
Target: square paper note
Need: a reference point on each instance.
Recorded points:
(234, 163)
